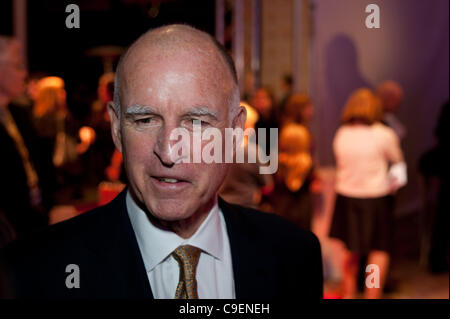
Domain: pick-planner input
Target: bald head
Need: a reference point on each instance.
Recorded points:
(175, 42)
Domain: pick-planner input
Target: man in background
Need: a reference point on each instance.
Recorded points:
(20, 193)
(391, 95)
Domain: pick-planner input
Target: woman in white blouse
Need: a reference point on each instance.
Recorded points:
(370, 168)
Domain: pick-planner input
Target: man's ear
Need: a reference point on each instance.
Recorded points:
(115, 126)
(239, 122)
(240, 117)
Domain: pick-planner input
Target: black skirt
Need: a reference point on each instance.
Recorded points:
(364, 224)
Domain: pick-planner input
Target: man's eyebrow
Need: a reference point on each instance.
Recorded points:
(146, 110)
(201, 111)
(139, 110)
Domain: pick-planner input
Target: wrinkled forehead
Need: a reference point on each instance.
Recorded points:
(199, 56)
(200, 68)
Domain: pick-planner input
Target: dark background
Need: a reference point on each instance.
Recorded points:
(56, 50)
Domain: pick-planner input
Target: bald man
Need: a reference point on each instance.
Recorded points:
(168, 234)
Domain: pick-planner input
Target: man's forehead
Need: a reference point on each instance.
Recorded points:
(155, 56)
(168, 69)
(158, 62)
(176, 82)
(173, 44)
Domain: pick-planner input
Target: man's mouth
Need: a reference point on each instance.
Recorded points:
(170, 184)
(168, 180)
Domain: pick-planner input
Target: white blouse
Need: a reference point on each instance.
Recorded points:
(363, 154)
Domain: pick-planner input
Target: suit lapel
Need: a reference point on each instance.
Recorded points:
(254, 270)
(119, 250)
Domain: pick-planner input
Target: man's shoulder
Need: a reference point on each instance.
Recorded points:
(62, 238)
(95, 243)
(269, 227)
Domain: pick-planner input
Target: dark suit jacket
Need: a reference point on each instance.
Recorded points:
(14, 191)
(271, 257)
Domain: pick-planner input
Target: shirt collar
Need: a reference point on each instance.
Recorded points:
(208, 236)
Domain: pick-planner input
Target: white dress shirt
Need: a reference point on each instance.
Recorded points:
(214, 275)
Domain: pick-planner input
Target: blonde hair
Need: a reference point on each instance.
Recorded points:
(295, 156)
(50, 97)
(362, 106)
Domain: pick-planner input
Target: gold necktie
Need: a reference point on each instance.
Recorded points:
(187, 257)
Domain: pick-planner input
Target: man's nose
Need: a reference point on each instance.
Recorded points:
(164, 147)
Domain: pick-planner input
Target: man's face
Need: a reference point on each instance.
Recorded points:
(170, 91)
(12, 79)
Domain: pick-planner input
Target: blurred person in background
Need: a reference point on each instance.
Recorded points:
(291, 197)
(370, 168)
(298, 109)
(264, 103)
(102, 150)
(20, 191)
(61, 141)
(32, 85)
(286, 87)
(31, 88)
(391, 95)
(295, 178)
(49, 111)
(244, 185)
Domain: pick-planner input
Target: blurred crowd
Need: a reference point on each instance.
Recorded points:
(49, 157)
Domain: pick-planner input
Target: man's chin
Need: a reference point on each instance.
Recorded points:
(170, 209)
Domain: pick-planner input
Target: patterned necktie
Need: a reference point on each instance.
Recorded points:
(187, 257)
